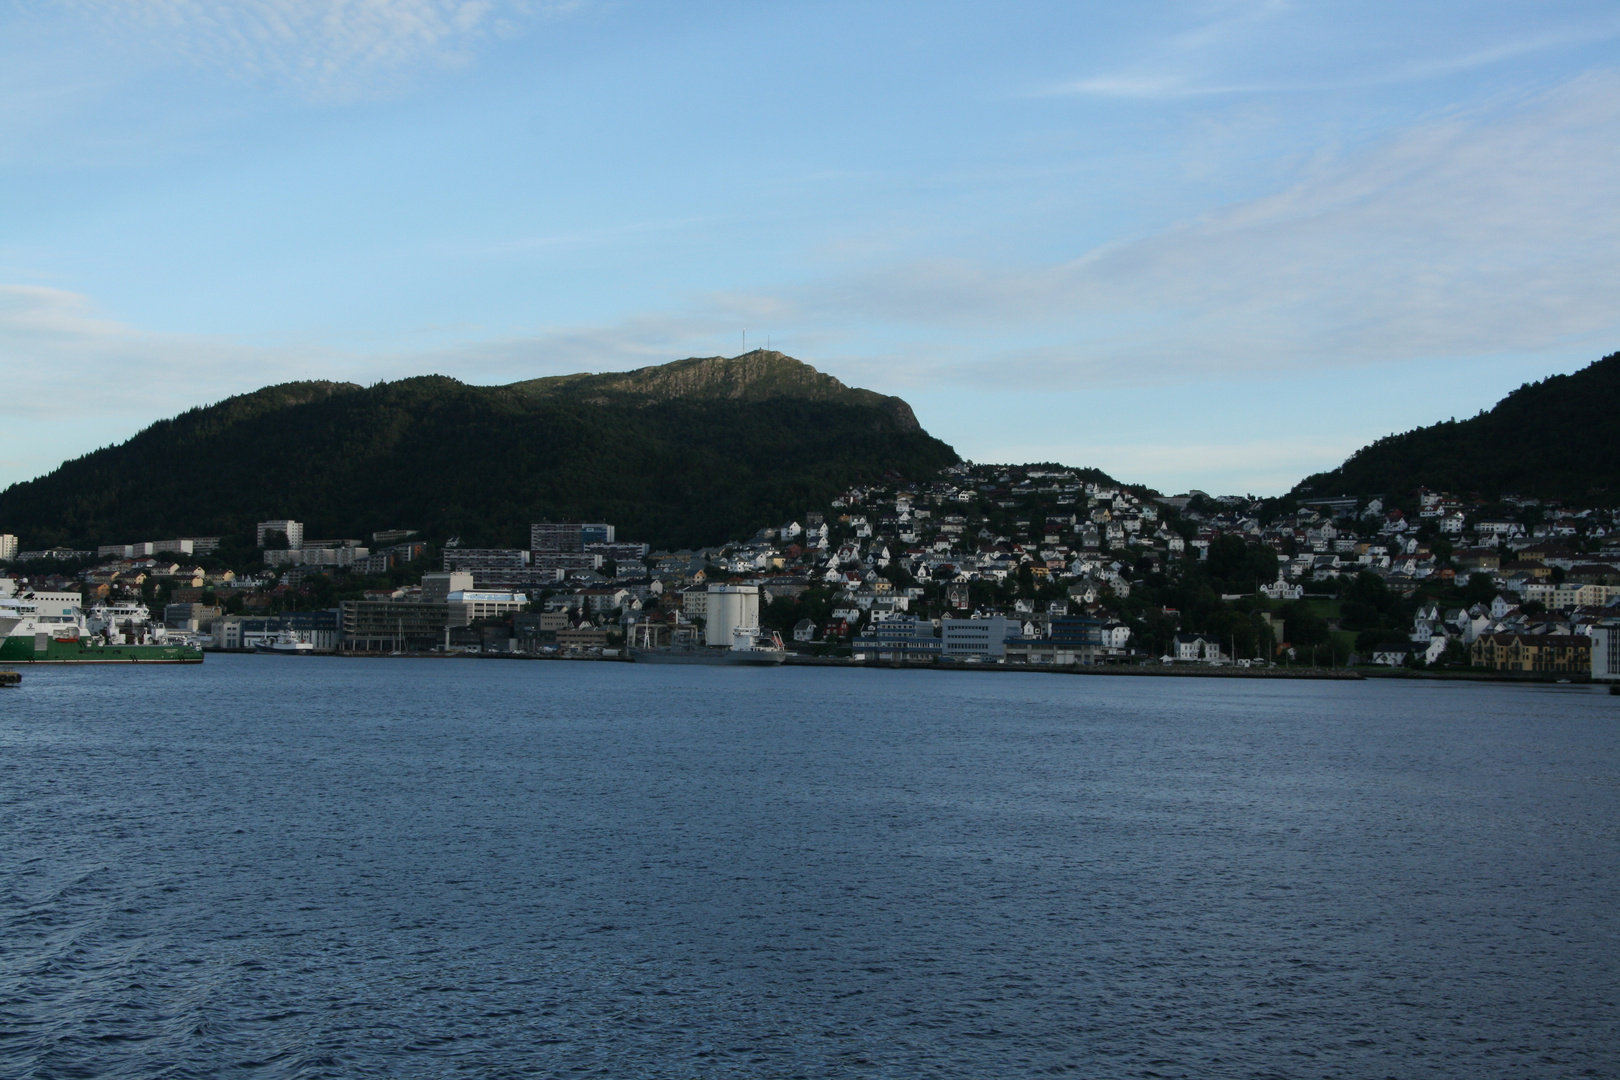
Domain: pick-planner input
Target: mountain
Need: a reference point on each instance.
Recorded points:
(1554, 439)
(689, 453)
(752, 377)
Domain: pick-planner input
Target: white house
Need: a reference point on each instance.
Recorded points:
(1282, 590)
(1197, 647)
(1392, 655)
(1425, 623)
(1084, 591)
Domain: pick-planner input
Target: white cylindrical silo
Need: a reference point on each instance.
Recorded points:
(729, 606)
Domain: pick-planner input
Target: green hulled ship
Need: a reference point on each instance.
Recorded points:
(50, 628)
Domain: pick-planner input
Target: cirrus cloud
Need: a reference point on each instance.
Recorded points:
(1477, 233)
(318, 47)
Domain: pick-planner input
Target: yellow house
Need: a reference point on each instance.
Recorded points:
(1533, 652)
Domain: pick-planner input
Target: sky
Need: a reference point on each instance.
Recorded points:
(1213, 245)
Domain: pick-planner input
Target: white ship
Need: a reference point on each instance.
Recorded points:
(286, 643)
(119, 617)
(750, 645)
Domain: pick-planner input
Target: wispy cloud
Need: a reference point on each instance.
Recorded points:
(1182, 70)
(1473, 235)
(77, 379)
(53, 338)
(586, 238)
(317, 47)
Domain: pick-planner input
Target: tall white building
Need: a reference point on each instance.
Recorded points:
(436, 588)
(8, 546)
(292, 530)
(1606, 652)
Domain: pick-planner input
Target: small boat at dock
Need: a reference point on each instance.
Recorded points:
(286, 643)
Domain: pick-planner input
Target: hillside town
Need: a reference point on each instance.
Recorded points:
(984, 564)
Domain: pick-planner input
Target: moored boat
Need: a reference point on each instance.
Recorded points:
(286, 643)
(50, 628)
(749, 646)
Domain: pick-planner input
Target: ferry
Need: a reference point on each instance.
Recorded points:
(39, 627)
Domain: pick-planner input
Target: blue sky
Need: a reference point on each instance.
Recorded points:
(1214, 245)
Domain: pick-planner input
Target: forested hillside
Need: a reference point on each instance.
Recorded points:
(689, 453)
(1554, 439)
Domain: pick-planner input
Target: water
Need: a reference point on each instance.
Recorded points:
(295, 867)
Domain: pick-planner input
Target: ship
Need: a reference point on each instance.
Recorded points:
(38, 627)
(749, 645)
(118, 617)
(286, 643)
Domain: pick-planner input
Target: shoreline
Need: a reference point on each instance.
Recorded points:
(1154, 671)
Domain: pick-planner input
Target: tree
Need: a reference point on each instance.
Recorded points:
(1234, 630)
(1367, 602)
(1238, 566)
(1307, 631)
(781, 614)
(1154, 632)
(1265, 640)
(898, 575)
(1479, 590)
(1370, 640)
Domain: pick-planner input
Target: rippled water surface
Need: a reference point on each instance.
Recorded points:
(297, 867)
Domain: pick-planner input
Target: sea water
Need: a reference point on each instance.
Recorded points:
(312, 867)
